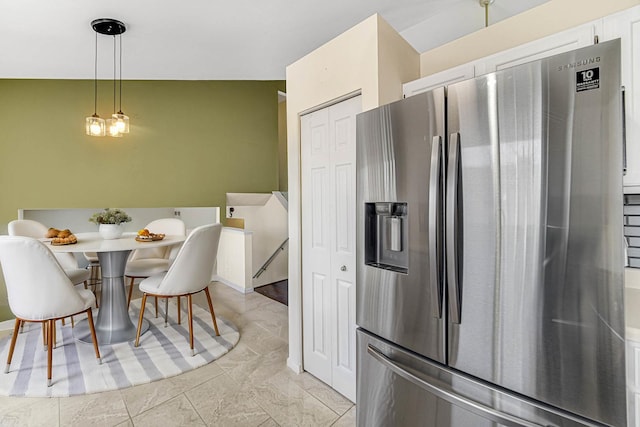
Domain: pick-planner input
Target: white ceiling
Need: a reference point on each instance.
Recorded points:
(211, 39)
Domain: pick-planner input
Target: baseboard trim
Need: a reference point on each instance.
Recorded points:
(294, 366)
(235, 286)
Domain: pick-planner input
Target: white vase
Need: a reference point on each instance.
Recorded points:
(111, 231)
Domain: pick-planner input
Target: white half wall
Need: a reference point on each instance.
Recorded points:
(235, 259)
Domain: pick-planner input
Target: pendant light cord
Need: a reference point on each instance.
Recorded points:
(114, 74)
(120, 37)
(95, 79)
(486, 14)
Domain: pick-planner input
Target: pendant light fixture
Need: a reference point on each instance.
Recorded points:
(96, 126)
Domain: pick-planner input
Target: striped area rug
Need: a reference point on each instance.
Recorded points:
(163, 352)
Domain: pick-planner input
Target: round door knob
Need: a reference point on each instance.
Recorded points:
(343, 268)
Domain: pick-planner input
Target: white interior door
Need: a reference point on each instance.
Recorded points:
(316, 257)
(328, 244)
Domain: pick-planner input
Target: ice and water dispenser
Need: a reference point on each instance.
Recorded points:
(386, 236)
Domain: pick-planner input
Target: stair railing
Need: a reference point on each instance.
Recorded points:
(271, 258)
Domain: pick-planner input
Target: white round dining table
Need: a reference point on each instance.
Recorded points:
(114, 323)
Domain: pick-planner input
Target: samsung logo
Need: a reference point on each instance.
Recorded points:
(579, 63)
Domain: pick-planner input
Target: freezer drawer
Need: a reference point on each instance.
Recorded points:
(398, 388)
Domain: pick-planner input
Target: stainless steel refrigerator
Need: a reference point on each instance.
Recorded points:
(490, 251)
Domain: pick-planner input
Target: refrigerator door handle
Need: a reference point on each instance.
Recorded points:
(434, 210)
(449, 396)
(452, 227)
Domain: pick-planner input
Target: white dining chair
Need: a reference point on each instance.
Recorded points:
(190, 273)
(143, 263)
(37, 230)
(38, 290)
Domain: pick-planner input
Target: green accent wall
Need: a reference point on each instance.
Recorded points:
(190, 142)
(282, 147)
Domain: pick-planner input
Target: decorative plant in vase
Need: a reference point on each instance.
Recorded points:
(110, 222)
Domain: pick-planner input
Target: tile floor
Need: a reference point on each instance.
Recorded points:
(250, 386)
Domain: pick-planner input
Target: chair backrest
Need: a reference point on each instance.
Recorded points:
(37, 286)
(27, 228)
(192, 268)
(37, 230)
(172, 226)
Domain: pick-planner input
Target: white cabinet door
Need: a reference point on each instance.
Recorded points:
(443, 78)
(328, 244)
(626, 26)
(316, 256)
(548, 46)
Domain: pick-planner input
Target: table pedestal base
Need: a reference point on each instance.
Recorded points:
(113, 325)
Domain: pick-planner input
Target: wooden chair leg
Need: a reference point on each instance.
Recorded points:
(44, 335)
(142, 306)
(86, 285)
(73, 325)
(53, 338)
(156, 307)
(190, 323)
(62, 320)
(166, 311)
(179, 313)
(95, 292)
(51, 326)
(14, 337)
(130, 292)
(94, 338)
(213, 314)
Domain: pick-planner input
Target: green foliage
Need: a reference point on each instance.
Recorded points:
(110, 216)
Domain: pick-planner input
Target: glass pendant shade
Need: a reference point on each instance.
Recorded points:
(122, 121)
(113, 129)
(95, 126)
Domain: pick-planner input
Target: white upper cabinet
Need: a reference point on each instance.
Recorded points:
(557, 43)
(626, 26)
(564, 41)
